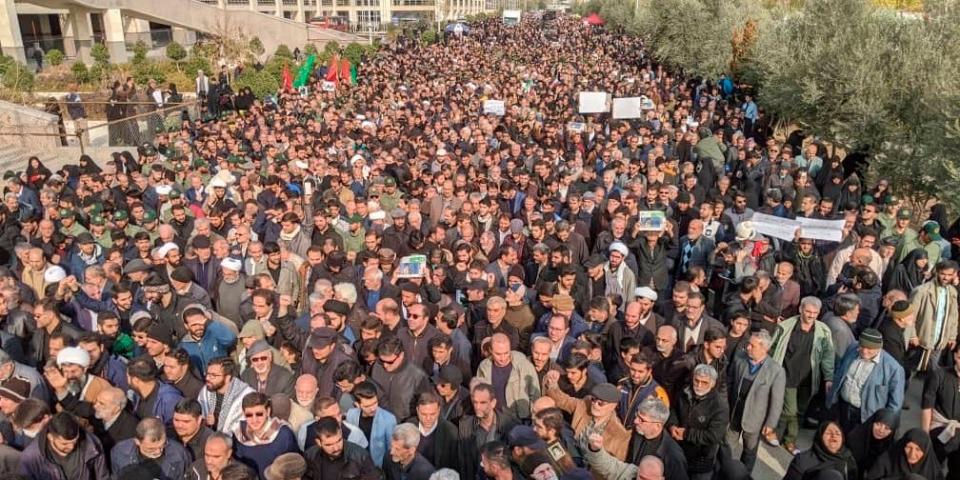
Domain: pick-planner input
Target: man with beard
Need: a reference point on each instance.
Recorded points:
(63, 449)
(332, 457)
(217, 454)
(221, 396)
(701, 422)
(306, 390)
(639, 322)
(637, 388)
(151, 397)
(405, 462)
(114, 422)
(485, 425)
(666, 355)
(151, 445)
(650, 438)
(103, 363)
(182, 281)
(229, 290)
(205, 266)
(75, 390)
(263, 375)
(178, 373)
(164, 305)
(188, 427)
(206, 338)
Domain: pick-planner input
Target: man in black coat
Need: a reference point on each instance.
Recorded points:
(438, 437)
(486, 424)
(650, 438)
(331, 456)
(114, 423)
(405, 463)
(699, 422)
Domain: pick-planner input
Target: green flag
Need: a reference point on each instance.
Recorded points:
(303, 76)
(353, 74)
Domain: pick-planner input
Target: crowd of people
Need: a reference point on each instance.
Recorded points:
(382, 281)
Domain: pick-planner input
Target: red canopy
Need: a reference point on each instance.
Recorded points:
(594, 19)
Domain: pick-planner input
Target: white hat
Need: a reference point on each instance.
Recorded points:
(645, 292)
(167, 248)
(355, 158)
(441, 151)
(73, 356)
(619, 247)
(301, 164)
(377, 215)
(54, 274)
(231, 263)
(366, 124)
(332, 151)
(218, 182)
(745, 231)
(163, 189)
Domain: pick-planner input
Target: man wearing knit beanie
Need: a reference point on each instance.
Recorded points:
(866, 380)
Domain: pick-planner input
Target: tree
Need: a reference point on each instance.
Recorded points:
(100, 54)
(261, 83)
(139, 52)
(354, 52)
(283, 51)
(176, 52)
(54, 57)
(256, 46)
(15, 75)
(80, 72)
(310, 49)
(871, 80)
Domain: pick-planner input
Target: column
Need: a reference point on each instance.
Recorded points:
(77, 36)
(184, 36)
(300, 17)
(138, 29)
(278, 5)
(11, 41)
(115, 39)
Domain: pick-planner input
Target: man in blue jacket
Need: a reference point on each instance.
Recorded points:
(151, 397)
(205, 339)
(866, 380)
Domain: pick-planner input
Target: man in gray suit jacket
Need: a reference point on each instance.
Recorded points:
(755, 389)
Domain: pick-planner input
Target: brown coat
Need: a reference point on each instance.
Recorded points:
(616, 438)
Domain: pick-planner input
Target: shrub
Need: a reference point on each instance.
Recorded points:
(80, 72)
(194, 63)
(100, 54)
(176, 52)
(283, 51)
(310, 49)
(354, 52)
(429, 36)
(261, 83)
(256, 46)
(54, 57)
(145, 71)
(15, 75)
(331, 47)
(139, 52)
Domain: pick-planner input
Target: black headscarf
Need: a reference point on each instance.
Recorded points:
(894, 464)
(907, 274)
(842, 461)
(865, 448)
(938, 213)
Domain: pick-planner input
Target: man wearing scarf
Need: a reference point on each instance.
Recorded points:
(221, 396)
(261, 437)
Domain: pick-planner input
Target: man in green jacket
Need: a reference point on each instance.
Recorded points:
(804, 347)
(712, 147)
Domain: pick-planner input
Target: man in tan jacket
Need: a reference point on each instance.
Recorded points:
(597, 413)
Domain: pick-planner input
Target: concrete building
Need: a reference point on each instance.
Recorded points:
(73, 26)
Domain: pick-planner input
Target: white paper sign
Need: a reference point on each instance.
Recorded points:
(577, 127)
(829, 230)
(412, 266)
(776, 227)
(328, 86)
(594, 102)
(495, 107)
(630, 107)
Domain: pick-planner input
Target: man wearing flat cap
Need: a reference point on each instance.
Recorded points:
(322, 356)
(898, 332)
(263, 375)
(866, 380)
(597, 413)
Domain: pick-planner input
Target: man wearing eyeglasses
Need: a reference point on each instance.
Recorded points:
(263, 375)
(596, 413)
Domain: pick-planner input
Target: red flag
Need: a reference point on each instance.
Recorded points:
(333, 69)
(286, 80)
(345, 69)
